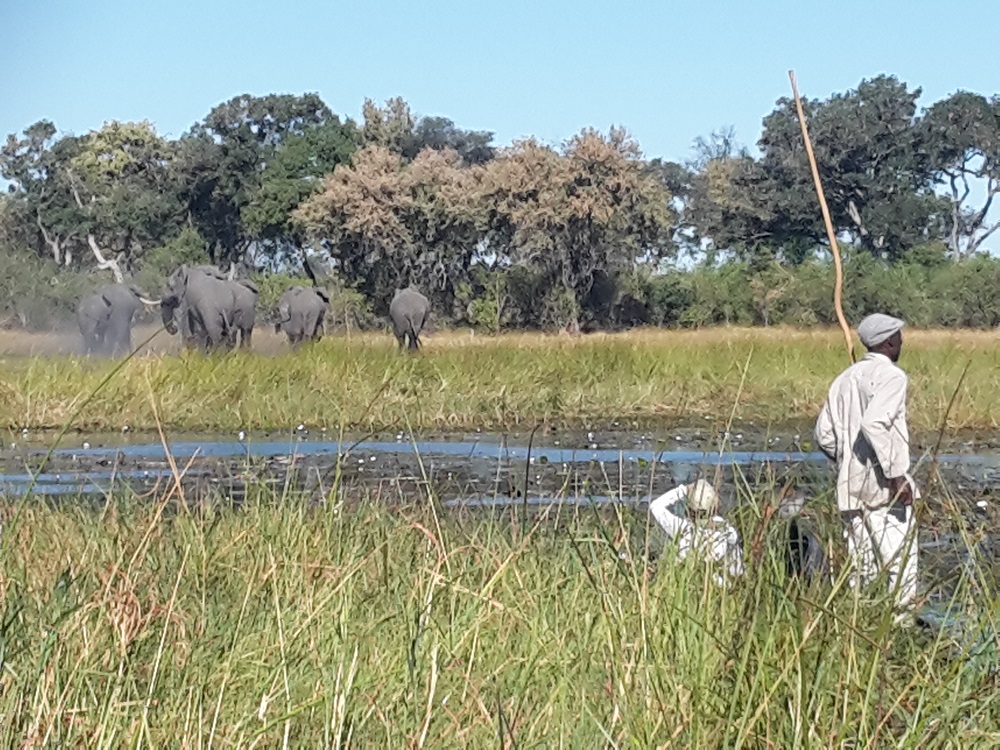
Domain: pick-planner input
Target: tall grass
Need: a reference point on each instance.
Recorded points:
(150, 624)
(511, 381)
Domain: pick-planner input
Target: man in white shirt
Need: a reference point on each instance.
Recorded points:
(862, 427)
(687, 516)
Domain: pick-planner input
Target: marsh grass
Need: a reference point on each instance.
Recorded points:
(162, 623)
(508, 382)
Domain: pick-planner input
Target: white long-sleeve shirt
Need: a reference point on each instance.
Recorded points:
(713, 540)
(862, 427)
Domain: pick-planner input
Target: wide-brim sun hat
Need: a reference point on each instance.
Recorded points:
(702, 497)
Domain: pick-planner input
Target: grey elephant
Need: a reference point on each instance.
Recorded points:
(245, 314)
(408, 312)
(202, 305)
(105, 318)
(301, 311)
(188, 338)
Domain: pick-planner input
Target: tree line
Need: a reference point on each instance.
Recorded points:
(585, 234)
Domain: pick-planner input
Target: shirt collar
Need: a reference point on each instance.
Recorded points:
(877, 356)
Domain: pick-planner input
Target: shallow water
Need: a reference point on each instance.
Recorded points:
(471, 469)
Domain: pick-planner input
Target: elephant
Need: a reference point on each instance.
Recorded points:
(246, 293)
(301, 311)
(205, 304)
(188, 339)
(105, 318)
(408, 312)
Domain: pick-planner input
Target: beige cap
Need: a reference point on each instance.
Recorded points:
(702, 497)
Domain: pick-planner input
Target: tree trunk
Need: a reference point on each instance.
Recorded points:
(52, 242)
(102, 263)
(105, 265)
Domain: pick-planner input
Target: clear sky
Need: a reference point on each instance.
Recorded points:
(668, 71)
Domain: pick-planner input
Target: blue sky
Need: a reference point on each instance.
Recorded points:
(668, 71)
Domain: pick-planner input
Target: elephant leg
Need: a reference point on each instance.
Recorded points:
(246, 338)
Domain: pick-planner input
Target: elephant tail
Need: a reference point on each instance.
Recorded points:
(412, 331)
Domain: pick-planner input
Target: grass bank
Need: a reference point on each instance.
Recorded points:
(513, 381)
(142, 625)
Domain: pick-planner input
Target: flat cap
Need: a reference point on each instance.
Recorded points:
(877, 328)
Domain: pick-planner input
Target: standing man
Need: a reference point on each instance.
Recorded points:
(863, 428)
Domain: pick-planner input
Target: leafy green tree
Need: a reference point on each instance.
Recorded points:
(123, 185)
(249, 163)
(291, 176)
(961, 135)
(875, 171)
(109, 192)
(36, 165)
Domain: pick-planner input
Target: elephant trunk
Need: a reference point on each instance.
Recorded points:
(168, 313)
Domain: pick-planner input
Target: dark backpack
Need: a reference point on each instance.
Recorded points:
(805, 557)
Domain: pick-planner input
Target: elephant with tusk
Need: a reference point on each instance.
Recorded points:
(207, 308)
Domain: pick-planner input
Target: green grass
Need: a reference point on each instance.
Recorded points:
(151, 624)
(509, 382)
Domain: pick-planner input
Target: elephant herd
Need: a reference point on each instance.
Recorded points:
(211, 311)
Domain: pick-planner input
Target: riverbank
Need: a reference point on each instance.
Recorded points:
(510, 382)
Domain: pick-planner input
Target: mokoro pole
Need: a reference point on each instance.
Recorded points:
(838, 289)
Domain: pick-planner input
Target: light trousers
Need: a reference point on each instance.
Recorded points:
(884, 539)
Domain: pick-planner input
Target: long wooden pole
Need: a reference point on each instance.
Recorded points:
(838, 288)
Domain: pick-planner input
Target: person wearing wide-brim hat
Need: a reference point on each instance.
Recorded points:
(688, 516)
(862, 427)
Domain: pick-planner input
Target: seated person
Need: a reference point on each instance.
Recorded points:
(687, 514)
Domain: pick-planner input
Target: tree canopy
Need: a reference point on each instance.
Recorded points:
(580, 234)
